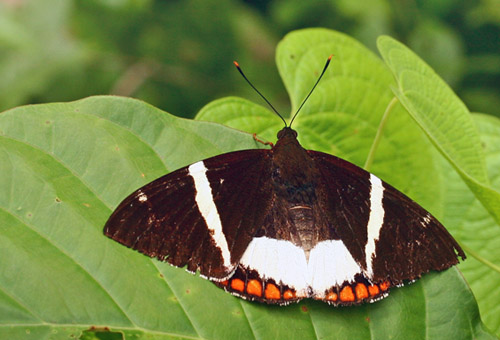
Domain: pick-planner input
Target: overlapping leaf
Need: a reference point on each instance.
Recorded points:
(476, 228)
(443, 117)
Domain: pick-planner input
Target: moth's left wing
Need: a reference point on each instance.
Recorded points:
(203, 215)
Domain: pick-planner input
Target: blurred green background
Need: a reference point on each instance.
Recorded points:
(177, 54)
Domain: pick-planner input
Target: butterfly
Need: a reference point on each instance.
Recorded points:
(283, 224)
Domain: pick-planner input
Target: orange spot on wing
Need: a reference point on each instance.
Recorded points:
(288, 294)
(346, 294)
(254, 287)
(373, 290)
(224, 283)
(332, 296)
(361, 291)
(272, 292)
(238, 285)
(384, 285)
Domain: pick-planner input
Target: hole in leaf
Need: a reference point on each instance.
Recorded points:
(100, 333)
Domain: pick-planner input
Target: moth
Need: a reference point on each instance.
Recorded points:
(283, 224)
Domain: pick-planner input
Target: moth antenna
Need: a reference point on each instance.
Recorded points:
(260, 94)
(310, 92)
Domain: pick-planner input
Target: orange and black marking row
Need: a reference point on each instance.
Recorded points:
(249, 285)
(254, 288)
(356, 293)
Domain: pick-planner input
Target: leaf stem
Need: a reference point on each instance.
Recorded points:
(378, 135)
(480, 258)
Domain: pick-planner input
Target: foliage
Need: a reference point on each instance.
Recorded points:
(177, 55)
(65, 166)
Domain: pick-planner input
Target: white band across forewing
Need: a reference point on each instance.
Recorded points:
(329, 264)
(206, 205)
(375, 221)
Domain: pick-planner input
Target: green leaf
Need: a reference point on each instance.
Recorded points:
(442, 116)
(476, 228)
(66, 166)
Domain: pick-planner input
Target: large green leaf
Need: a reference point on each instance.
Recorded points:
(66, 166)
(442, 116)
(476, 228)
